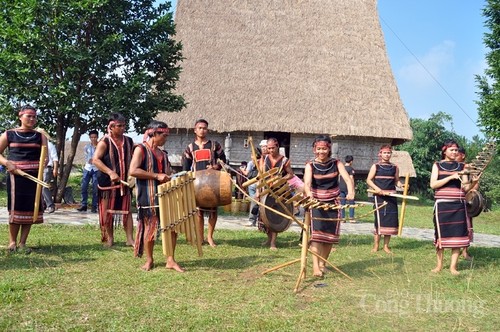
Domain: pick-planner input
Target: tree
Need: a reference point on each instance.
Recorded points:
(425, 148)
(489, 85)
(79, 60)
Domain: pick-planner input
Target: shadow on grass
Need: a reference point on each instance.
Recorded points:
(50, 256)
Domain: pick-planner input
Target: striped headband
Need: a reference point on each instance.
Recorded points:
(322, 143)
(151, 131)
(27, 111)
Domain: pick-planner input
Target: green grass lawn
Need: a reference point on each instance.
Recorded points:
(71, 283)
(420, 216)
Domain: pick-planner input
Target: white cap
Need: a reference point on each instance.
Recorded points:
(263, 142)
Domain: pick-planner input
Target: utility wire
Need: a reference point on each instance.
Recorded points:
(428, 72)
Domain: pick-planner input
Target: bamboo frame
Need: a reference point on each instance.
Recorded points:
(38, 193)
(34, 179)
(413, 198)
(403, 204)
(177, 205)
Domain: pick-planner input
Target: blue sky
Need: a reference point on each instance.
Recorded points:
(435, 48)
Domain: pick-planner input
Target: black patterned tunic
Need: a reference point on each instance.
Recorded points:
(450, 213)
(24, 151)
(325, 188)
(386, 218)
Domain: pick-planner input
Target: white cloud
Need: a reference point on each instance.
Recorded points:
(422, 72)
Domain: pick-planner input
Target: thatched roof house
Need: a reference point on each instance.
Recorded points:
(292, 69)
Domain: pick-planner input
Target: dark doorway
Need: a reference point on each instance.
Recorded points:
(283, 139)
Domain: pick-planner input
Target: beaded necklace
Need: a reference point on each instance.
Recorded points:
(442, 163)
(24, 137)
(323, 169)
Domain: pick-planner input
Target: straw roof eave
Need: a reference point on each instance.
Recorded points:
(300, 67)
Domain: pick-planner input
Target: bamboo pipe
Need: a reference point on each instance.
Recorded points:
(38, 193)
(403, 204)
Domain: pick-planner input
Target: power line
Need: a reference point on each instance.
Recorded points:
(428, 72)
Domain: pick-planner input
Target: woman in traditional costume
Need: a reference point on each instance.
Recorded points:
(321, 181)
(25, 145)
(450, 212)
(383, 177)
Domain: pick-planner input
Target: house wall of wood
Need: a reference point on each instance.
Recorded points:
(363, 150)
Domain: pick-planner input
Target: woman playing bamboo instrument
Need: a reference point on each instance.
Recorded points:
(151, 167)
(383, 178)
(25, 146)
(450, 212)
(321, 178)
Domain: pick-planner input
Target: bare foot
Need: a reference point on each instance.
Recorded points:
(374, 249)
(129, 244)
(12, 247)
(454, 272)
(108, 244)
(148, 266)
(387, 250)
(273, 247)
(318, 274)
(211, 243)
(174, 266)
(467, 257)
(437, 269)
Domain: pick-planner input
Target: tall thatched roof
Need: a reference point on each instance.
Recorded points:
(294, 66)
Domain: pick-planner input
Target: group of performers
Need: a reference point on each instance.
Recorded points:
(117, 158)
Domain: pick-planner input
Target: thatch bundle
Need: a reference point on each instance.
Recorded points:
(295, 66)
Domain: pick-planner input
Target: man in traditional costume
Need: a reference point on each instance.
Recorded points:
(112, 158)
(150, 166)
(271, 160)
(203, 154)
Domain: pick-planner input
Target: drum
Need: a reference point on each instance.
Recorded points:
(475, 203)
(273, 221)
(212, 188)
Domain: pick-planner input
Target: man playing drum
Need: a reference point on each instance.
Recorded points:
(200, 155)
(271, 160)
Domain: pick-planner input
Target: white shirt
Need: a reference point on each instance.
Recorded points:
(88, 151)
(52, 154)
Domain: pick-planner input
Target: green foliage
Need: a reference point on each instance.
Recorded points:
(425, 148)
(78, 61)
(488, 84)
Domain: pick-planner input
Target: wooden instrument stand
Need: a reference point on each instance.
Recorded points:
(306, 226)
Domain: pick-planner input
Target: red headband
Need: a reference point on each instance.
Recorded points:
(151, 131)
(322, 143)
(446, 146)
(27, 111)
(162, 130)
(385, 149)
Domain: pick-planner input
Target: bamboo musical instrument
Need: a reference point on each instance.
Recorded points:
(38, 193)
(34, 179)
(403, 204)
(176, 200)
(414, 198)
